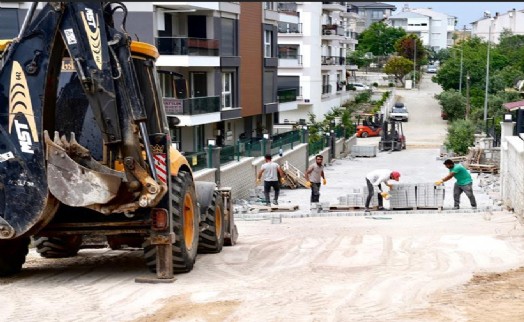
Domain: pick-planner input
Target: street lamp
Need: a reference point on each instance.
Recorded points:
(487, 14)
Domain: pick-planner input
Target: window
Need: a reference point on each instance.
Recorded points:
(269, 87)
(8, 23)
(268, 39)
(166, 83)
(228, 36)
(377, 14)
(227, 89)
(288, 51)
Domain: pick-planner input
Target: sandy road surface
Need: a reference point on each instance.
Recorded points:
(385, 267)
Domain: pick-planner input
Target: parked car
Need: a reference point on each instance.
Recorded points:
(399, 112)
(431, 69)
(358, 86)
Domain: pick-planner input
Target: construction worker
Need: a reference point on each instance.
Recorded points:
(464, 183)
(270, 170)
(375, 179)
(313, 174)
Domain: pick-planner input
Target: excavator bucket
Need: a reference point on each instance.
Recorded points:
(75, 184)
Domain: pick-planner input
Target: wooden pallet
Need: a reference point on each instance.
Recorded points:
(347, 208)
(294, 177)
(275, 208)
(483, 168)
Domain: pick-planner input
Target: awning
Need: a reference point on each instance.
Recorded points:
(511, 106)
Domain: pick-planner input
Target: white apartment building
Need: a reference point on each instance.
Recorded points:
(513, 20)
(435, 29)
(314, 57)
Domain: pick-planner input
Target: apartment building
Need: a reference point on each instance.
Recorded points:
(371, 12)
(493, 25)
(312, 60)
(435, 29)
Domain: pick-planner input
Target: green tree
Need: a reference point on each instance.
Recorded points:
(398, 67)
(379, 39)
(453, 104)
(461, 136)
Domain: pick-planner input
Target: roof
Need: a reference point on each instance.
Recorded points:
(373, 5)
(408, 14)
(514, 105)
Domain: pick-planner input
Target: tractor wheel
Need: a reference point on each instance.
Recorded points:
(185, 225)
(211, 240)
(364, 135)
(12, 255)
(58, 247)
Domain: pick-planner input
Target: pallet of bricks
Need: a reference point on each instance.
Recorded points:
(354, 200)
(430, 196)
(364, 151)
(403, 196)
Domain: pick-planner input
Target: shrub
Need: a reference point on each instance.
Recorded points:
(375, 84)
(461, 136)
(391, 85)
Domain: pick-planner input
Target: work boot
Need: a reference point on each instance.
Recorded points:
(456, 208)
(275, 202)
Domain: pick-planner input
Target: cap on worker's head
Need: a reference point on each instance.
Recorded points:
(268, 156)
(395, 175)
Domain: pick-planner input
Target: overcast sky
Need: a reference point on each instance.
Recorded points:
(466, 12)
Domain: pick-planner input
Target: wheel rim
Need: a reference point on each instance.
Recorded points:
(218, 222)
(364, 134)
(189, 231)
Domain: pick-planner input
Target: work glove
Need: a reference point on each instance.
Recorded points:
(258, 181)
(385, 195)
(282, 180)
(308, 184)
(324, 181)
(439, 182)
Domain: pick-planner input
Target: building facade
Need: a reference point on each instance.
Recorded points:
(511, 21)
(435, 29)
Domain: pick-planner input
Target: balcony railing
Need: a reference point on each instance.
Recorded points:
(187, 46)
(333, 30)
(332, 60)
(326, 89)
(291, 56)
(289, 8)
(191, 106)
(288, 95)
(289, 28)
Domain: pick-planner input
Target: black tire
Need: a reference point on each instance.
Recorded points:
(58, 247)
(211, 240)
(12, 255)
(185, 225)
(364, 135)
(117, 242)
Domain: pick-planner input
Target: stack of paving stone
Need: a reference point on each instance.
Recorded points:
(364, 151)
(403, 196)
(430, 196)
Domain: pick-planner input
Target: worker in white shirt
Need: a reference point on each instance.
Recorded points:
(375, 179)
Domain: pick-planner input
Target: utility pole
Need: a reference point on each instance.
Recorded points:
(462, 57)
(468, 107)
(414, 61)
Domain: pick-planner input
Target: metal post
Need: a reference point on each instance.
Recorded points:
(487, 80)
(414, 61)
(461, 60)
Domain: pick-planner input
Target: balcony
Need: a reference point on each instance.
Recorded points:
(191, 106)
(332, 60)
(333, 30)
(289, 28)
(289, 60)
(180, 46)
(289, 8)
(288, 95)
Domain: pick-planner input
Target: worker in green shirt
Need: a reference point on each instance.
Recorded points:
(464, 183)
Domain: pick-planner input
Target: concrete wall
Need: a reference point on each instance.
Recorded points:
(512, 169)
